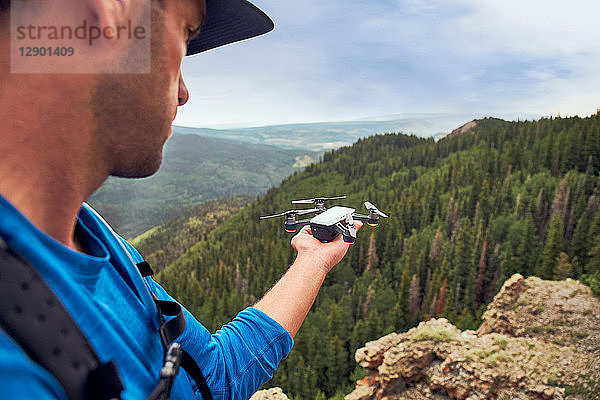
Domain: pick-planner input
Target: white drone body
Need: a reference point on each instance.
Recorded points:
(329, 224)
(332, 216)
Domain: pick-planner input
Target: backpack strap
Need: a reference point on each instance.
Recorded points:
(29, 306)
(145, 269)
(169, 331)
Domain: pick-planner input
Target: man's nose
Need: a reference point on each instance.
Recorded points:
(182, 95)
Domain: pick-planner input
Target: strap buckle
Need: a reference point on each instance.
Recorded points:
(172, 361)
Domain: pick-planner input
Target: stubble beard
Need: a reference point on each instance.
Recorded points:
(131, 113)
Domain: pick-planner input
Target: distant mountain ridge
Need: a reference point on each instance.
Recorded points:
(320, 136)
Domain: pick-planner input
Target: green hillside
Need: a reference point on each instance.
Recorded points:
(465, 213)
(164, 244)
(195, 169)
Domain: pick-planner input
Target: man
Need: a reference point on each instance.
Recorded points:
(62, 134)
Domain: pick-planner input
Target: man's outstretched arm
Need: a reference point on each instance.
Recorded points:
(289, 301)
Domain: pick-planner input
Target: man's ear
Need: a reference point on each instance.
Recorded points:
(109, 13)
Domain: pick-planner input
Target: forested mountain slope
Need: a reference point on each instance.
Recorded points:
(165, 243)
(195, 169)
(466, 213)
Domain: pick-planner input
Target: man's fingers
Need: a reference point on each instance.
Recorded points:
(306, 229)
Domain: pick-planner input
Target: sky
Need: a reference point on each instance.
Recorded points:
(338, 60)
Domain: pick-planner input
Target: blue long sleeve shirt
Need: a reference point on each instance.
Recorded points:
(112, 304)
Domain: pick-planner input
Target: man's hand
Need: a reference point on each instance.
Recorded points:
(290, 299)
(324, 255)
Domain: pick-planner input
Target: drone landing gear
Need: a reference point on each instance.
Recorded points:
(348, 239)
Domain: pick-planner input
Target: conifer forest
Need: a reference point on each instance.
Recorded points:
(465, 213)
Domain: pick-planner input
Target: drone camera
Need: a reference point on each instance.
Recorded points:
(323, 233)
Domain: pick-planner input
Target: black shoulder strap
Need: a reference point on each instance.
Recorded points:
(29, 306)
(172, 329)
(145, 269)
(34, 317)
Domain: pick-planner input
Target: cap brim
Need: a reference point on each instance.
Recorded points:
(229, 21)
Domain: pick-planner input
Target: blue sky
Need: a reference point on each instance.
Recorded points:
(334, 60)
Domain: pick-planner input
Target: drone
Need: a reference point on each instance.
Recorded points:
(328, 224)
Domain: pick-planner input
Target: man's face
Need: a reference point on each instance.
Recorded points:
(134, 112)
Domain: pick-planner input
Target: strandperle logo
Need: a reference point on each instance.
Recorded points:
(85, 31)
(45, 39)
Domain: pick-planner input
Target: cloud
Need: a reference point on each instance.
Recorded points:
(337, 59)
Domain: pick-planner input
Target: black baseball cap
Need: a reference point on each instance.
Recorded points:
(229, 21)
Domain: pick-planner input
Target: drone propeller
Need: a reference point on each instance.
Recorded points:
(290, 213)
(317, 200)
(373, 210)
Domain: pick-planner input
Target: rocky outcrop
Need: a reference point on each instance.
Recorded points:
(269, 394)
(463, 129)
(538, 340)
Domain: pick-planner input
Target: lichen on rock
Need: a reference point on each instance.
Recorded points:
(269, 394)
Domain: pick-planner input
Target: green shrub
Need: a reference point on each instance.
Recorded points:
(593, 281)
(501, 342)
(440, 335)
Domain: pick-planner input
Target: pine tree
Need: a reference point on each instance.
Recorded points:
(464, 268)
(441, 303)
(337, 365)
(593, 265)
(436, 246)
(403, 306)
(552, 249)
(432, 307)
(563, 268)
(561, 200)
(466, 320)
(479, 283)
(427, 292)
(541, 212)
(368, 301)
(528, 248)
(414, 298)
(372, 259)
